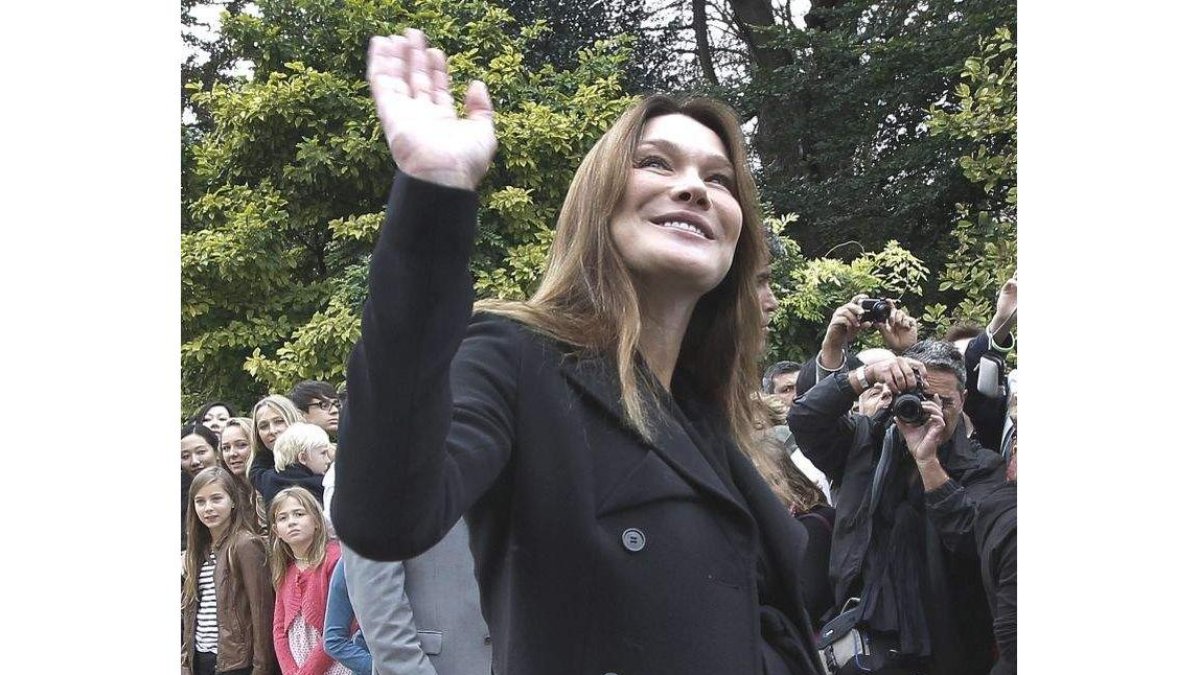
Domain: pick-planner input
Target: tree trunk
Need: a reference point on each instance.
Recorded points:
(700, 24)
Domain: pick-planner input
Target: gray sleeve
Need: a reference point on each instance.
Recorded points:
(381, 606)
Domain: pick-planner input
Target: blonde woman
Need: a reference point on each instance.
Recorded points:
(595, 436)
(271, 416)
(303, 558)
(228, 599)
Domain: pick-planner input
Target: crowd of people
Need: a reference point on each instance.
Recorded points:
(592, 481)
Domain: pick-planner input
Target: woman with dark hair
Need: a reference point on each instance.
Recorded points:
(197, 451)
(214, 415)
(597, 435)
(197, 447)
(228, 599)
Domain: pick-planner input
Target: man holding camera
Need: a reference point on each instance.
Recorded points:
(903, 561)
(898, 329)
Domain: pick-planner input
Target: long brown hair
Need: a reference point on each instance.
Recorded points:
(199, 538)
(587, 298)
(280, 553)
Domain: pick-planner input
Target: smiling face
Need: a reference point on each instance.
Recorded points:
(269, 424)
(216, 418)
(195, 454)
(214, 506)
(235, 449)
(678, 221)
(294, 525)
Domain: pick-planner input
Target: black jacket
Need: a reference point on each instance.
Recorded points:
(847, 448)
(269, 482)
(595, 551)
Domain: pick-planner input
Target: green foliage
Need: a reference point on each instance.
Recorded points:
(809, 289)
(985, 114)
(284, 186)
(842, 129)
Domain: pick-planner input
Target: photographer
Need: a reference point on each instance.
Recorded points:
(898, 329)
(903, 539)
(984, 352)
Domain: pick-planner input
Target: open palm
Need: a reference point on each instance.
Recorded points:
(427, 138)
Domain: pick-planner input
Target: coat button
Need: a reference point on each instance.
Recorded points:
(633, 540)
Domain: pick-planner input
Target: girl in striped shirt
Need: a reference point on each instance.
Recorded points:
(227, 595)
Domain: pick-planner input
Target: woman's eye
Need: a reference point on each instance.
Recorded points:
(652, 161)
(722, 180)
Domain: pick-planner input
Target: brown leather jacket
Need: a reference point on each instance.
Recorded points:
(245, 609)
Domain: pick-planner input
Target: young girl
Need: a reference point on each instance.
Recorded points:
(227, 593)
(302, 562)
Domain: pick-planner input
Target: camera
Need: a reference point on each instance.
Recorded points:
(906, 406)
(875, 311)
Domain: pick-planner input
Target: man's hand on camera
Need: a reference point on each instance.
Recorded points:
(899, 373)
(899, 331)
(844, 326)
(923, 441)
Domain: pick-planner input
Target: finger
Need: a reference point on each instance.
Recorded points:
(477, 102)
(386, 65)
(418, 65)
(439, 78)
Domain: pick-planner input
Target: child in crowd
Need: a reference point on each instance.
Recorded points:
(301, 459)
(302, 562)
(343, 640)
(227, 594)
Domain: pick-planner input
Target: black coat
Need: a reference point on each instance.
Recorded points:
(596, 552)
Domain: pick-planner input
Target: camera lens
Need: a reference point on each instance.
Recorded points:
(907, 408)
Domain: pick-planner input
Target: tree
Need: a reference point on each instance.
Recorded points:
(984, 115)
(285, 191)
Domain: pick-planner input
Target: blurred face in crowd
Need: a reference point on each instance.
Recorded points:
(214, 506)
(874, 399)
(323, 412)
(945, 386)
(784, 386)
(317, 460)
(235, 449)
(269, 424)
(216, 418)
(196, 454)
(295, 526)
(767, 303)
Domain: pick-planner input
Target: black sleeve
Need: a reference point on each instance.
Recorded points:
(412, 457)
(814, 573)
(821, 427)
(987, 414)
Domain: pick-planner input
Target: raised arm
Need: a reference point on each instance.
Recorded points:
(401, 484)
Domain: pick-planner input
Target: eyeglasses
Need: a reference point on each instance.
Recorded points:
(325, 404)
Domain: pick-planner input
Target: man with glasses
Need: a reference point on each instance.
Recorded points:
(903, 543)
(318, 403)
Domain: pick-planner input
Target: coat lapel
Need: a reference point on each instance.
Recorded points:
(596, 378)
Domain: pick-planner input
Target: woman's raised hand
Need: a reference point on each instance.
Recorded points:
(427, 138)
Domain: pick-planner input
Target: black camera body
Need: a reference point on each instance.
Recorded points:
(906, 406)
(874, 310)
